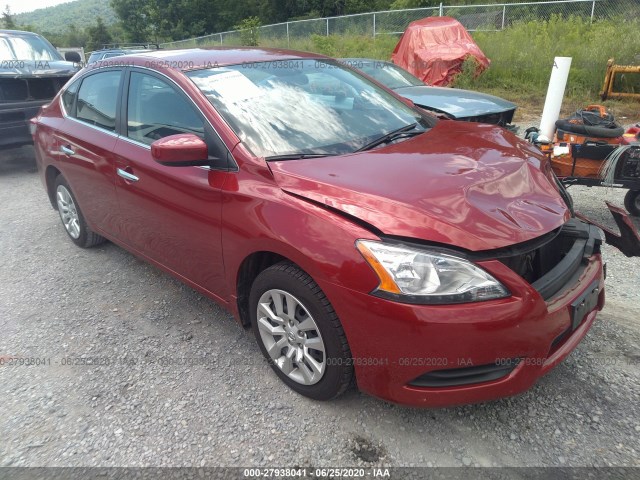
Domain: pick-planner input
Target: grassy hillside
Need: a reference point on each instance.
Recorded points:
(58, 19)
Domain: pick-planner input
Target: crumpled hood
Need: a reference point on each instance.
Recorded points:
(39, 68)
(469, 185)
(455, 102)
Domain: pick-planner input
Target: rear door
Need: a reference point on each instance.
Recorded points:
(170, 214)
(85, 142)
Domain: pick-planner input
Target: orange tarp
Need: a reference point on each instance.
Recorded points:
(434, 48)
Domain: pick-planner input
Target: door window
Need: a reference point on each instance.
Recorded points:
(69, 98)
(156, 110)
(98, 98)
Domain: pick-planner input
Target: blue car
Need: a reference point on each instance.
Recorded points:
(455, 103)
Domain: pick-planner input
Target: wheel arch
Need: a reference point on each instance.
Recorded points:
(249, 269)
(316, 240)
(51, 173)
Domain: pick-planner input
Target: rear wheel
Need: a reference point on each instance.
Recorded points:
(632, 202)
(299, 332)
(72, 218)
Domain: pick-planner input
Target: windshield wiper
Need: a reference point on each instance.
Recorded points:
(399, 133)
(295, 156)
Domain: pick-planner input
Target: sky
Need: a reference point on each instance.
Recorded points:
(20, 6)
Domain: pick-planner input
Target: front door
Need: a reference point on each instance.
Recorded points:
(170, 214)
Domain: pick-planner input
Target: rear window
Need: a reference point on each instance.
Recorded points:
(98, 98)
(69, 98)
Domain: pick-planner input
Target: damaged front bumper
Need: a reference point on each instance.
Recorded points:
(628, 242)
(441, 355)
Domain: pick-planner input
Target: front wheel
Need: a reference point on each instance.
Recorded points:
(632, 202)
(299, 333)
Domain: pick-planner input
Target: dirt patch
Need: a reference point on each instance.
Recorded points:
(366, 450)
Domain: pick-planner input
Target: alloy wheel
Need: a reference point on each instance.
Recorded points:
(68, 211)
(291, 337)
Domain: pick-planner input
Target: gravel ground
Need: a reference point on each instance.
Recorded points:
(217, 404)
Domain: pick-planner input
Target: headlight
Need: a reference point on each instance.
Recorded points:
(420, 276)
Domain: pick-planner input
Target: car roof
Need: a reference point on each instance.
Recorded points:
(18, 32)
(126, 51)
(199, 58)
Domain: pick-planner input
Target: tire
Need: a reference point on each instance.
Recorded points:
(294, 353)
(632, 202)
(590, 130)
(71, 216)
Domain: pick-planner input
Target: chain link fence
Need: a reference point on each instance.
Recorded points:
(490, 17)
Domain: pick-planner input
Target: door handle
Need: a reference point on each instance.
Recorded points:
(127, 176)
(67, 150)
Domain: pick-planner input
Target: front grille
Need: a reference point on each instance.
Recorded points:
(14, 90)
(29, 89)
(466, 376)
(12, 117)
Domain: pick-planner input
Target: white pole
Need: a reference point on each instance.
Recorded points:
(374, 25)
(555, 93)
(504, 14)
(288, 40)
(327, 27)
(593, 8)
(440, 8)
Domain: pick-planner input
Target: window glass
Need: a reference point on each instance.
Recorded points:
(156, 110)
(310, 107)
(68, 97)
(27, 47)
(94, 57)
(98, 98)
(390, 75)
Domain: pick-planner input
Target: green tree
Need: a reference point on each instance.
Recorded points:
(134, 18)
(73, 37)
(165, 20)
(26, 27)
(401, 4)
(175, 20)
(249, 31)
(7, 19)
(97, 35)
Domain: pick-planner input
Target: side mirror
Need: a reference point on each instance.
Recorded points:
(182, 150)
(72, 57)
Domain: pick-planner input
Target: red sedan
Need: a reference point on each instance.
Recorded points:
(431, 262)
